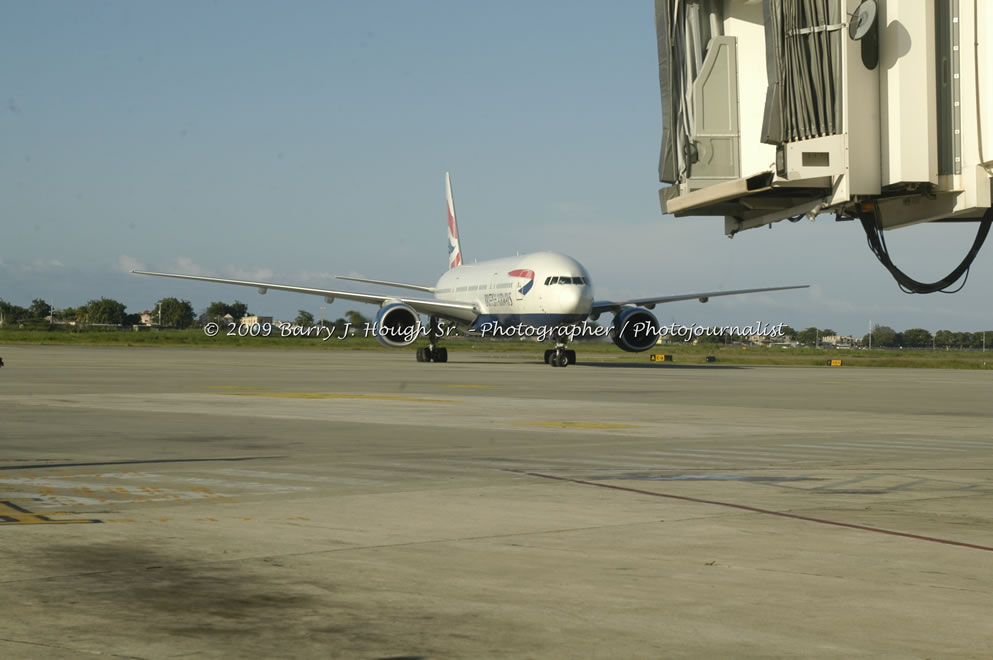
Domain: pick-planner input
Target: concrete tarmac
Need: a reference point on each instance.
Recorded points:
(233, 503)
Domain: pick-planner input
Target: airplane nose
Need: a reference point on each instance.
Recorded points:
(569, 298)
(584, 299)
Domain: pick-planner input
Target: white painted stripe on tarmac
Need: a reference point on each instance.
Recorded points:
(759, 454)
(293, 476)
(875, 445)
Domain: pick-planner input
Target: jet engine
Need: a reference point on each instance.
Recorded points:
(635, 329)
(397, 325)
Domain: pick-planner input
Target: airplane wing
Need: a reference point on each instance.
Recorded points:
(601, 306)
(457, 311)
(402, 285)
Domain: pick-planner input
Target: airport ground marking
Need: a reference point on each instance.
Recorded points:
(755, 509)
(340, 395)
(231, 387)
(12, 514)
(41, 466)
(577, 425)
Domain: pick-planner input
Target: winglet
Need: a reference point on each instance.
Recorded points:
(454, 249)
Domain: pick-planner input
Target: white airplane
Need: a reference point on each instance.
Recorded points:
(546, 293)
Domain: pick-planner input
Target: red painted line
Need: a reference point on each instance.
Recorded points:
(755, 509)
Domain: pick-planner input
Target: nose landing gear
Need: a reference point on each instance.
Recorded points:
(560, 356)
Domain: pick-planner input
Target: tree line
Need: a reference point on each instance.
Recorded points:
(886, 337)
(167, 313)
(810, 337)
(177, 313)
(104, 311)
(883, 336)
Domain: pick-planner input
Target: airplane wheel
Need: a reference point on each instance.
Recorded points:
(561, 360)
(548, 356)
(572, 356)
(420, 355)
(441, 355)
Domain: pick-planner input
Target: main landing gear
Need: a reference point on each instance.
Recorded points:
(560, 356)
(432, 352)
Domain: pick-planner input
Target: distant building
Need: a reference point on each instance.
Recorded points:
(839, 341)
(255, 319)
(149, 318)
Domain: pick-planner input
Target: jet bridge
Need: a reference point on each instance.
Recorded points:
(875, 110)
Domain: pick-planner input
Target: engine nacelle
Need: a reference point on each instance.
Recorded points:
(397, 325)
(635, 329)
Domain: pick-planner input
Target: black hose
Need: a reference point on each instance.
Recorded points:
(877, 243)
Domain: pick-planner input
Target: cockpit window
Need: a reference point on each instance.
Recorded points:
(551, 280)
(565, 280)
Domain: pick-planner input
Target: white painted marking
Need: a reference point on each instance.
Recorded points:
(696, 453)
(759, 454)
(895, 446)
(291, 476)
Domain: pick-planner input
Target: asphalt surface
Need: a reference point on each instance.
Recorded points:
(231, 503)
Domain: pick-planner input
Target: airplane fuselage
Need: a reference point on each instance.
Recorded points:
(540, 289)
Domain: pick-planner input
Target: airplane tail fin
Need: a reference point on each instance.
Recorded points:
(454, 248)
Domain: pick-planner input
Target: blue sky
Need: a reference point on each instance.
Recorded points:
(295, 141)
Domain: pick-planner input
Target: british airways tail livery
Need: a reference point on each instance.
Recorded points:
(546, 293)
(454, 247)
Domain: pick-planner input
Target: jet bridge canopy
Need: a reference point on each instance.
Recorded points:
(879, 110)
